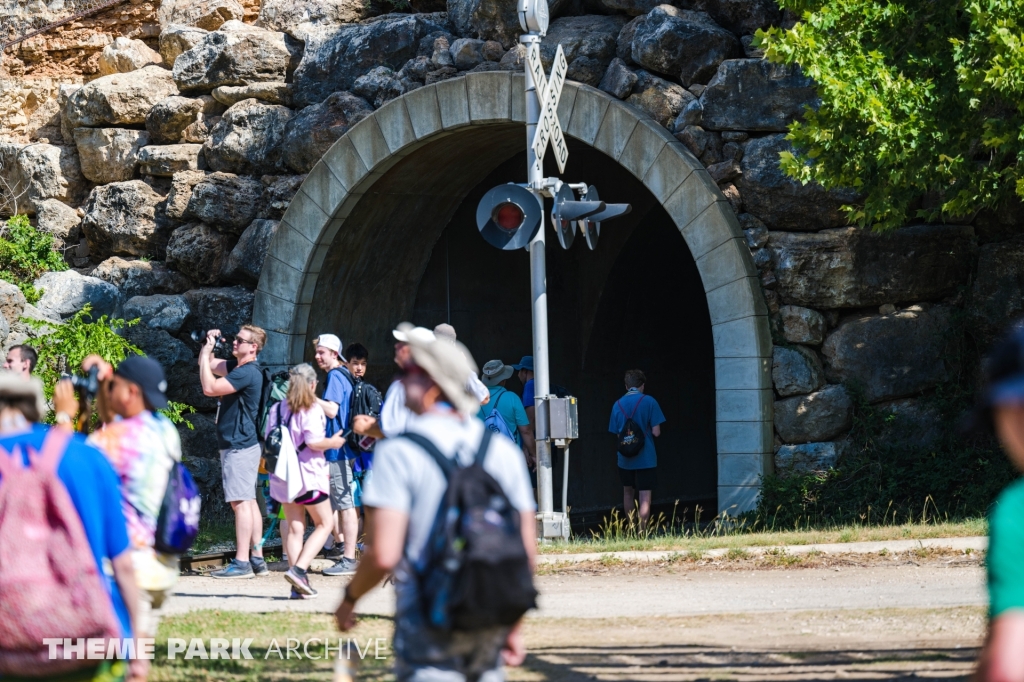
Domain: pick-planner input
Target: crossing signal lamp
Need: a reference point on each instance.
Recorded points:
(508, 217)
(591, 225)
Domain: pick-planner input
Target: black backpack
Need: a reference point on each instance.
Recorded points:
(631, 436)
(474, 571)
(366, 399)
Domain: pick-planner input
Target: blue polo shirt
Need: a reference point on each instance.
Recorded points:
(648, 415)
(96, 493)
(528, 394)
(338, 390)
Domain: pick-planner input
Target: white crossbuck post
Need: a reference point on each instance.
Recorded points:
(549, 92)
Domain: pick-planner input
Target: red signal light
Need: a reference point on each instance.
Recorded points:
(508, 216)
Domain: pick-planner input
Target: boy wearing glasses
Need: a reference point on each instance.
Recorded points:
(238, 383)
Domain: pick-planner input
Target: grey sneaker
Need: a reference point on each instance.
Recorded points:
(298, 595)
(343, 567)
(300, 583)
(259, 565)
(235, 569)
(336, 552)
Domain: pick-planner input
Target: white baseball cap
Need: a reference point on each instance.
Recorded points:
(329, 341)
(406, 331)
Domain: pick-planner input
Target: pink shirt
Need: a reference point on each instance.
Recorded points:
(307, 426)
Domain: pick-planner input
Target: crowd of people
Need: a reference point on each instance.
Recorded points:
(330, 452)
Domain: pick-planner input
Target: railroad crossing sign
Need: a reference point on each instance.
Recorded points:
(549, 92)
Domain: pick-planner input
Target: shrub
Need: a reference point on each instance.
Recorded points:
(25, 254)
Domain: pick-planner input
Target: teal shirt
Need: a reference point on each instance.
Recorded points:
(510, 407)
(1006, 551)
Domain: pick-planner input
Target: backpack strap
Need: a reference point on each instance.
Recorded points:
(635, 406)
(447, 465)
(481, 452)
(54, 446)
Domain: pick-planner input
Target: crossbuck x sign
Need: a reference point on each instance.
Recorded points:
(549, 92)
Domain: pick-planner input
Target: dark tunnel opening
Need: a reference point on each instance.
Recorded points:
(635, 302)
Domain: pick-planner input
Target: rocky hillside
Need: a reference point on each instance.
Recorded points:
(161, 145)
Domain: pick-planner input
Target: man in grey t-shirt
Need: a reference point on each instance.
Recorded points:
(402, 499)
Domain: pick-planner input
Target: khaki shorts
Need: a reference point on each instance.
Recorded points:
(343, 485)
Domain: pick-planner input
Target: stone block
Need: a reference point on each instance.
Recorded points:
(818, 416)
(725, 263)
(743, 373)
(741, 437)
(424, 111)
(644, 146)
(737, 499)
(166, 160)
(743, 405)
(802, 325)
(490, 96)
(616, 129)
(739, 298)
(807, 458)
(395, 125)
(454, 103)
(796, 370)
(745, 337)
(369, 141)
(743, 469)
(588, 113)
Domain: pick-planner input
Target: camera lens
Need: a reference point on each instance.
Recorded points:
(198, 336)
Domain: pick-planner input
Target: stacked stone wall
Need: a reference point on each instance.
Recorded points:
(161, 144)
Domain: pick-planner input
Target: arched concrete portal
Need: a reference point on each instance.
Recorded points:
(411, 163)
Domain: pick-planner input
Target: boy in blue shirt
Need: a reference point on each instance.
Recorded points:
(637, 473)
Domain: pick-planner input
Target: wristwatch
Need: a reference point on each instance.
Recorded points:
(62, 418)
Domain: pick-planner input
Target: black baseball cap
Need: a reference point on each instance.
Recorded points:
(147, 374)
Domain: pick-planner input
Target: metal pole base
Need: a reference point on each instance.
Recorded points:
(552, 527)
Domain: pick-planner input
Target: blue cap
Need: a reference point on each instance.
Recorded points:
(525, 363)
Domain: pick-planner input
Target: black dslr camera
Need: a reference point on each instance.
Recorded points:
(88, 385)
(222, 343)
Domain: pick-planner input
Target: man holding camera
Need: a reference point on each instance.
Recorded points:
(142, 446)
(239, 384)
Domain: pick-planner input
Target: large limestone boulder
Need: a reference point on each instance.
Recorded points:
(583, 39)
(682, 43)
(176, 39)
(312, 131)
(59, 220)
(889, 356)
(238, 54)
(204, 14)
(658, 97)
(796, 370)
(486, 20)
(245, 262)
(120, 219)
(818, 416)
(618, 80)
(166, 160)
(225, 201)
(333, 59)
(119, 99)
(67, 292)
(277, 195)
(141, 278)
(741, 16)
(850, 267)
(12, 302)
(159, 311)
(911, 422)
(780, 201)
(127, 54)
(169, 117)
(180, 194)
(198, 251)
(173, 355)
(297, 17)
(37, 172)
(247, 140)
(997, 295)
(808, 458)
(271, 93)
(802, 325)
(109, 154)
(224, 308)
(755, 94)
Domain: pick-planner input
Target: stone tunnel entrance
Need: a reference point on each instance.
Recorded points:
(383, 230)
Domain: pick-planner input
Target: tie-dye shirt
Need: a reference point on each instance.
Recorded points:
(142, 450)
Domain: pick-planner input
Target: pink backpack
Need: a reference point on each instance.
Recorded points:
(49, 584)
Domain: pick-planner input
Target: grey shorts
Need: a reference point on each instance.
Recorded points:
(239, 469)
(462, 656)
(342, 485)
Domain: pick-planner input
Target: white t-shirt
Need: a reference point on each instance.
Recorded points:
(407, 479)
(394, 415)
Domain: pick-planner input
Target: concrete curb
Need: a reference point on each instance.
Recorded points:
(977, 544)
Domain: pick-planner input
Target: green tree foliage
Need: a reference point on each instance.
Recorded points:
(922, 103)
(62, 347)
(25, 254)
